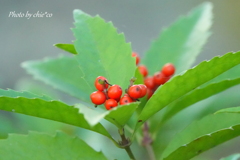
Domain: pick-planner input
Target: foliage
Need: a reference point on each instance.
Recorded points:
(99, 50)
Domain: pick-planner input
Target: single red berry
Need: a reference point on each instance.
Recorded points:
(101, 83)
(144, 90)
(168, 78)
(115, 92)
(149, 93)
(134, 54)
(149, 82)
(118, 99)
(159, 78)
(125, 100)
(135, 91)
(168, 69)
(98, 97)
(143, 70)
(127, 95)
(110, 103)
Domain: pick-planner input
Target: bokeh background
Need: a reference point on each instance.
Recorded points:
(141, 21)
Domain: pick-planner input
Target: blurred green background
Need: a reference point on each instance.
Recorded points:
(141, 21)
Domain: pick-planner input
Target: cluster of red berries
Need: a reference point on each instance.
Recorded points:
(111, 96)
(159, 78)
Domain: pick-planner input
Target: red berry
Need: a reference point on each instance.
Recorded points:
(125, 95)
(168, 78)
(98, 97)
(135, 91)
(143, 70)
(118, 99)
(168, 69)
(149, 82)
(159, 78)
(149, 93)
(110, 103)
(100, 83)
(115, 92)
(144, 90)
(134, 54)
(125, 100)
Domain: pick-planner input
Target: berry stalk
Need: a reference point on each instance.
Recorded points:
(147, 141)
(125, 143)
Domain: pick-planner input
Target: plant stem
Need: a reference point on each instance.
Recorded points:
(129, 151)
(125, 143)
(147, 141)
(150, 152)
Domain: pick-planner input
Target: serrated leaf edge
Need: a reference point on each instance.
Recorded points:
(190, 70)
(176, 22)
(102, 115)
(54, 136)
(200, 88)
(141, 120)
(109, 23)
(206, 135)
(25, 91)
(41, 78)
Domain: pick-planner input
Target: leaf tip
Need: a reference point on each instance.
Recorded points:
(207, 5)
(24, 64)
(77, 12)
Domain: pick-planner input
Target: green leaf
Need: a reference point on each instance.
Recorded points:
(212, 104)
(20, 123)
(197, 111)
(232, 73)
(66, 47)
(222, 100)
(14, 94)
(36, 87)
(44, 146)
(181, 42)
(139, 77)
(197, 95)
(232, 157)
(229, 110)
(97, 57)
(203, 135)
(182, 84)
(62, 73)
(102, 51)
(53, 110)
(119, 116)
(7, 125)
(24, 123)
